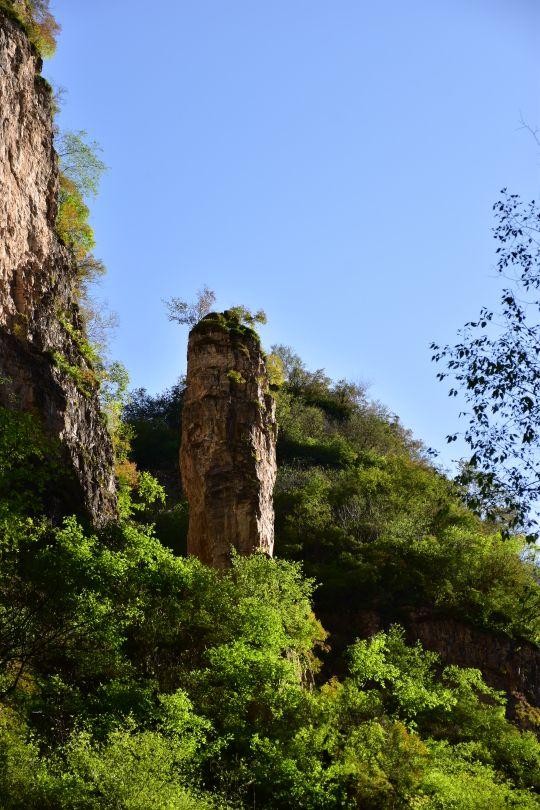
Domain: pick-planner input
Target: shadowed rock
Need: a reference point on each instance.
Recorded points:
(506, 663)
(228, 453)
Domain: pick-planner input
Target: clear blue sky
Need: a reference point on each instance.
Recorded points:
(332, 162)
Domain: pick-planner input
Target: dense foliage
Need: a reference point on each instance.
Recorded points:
(133, 677)
(361, 505)
(36, 19)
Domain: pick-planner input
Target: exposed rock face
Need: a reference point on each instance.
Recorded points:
(511, 665)
(42, 369)
(508, 664)
(228, 453)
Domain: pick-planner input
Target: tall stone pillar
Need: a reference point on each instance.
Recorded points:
(228, 453)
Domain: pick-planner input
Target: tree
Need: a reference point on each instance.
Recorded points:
(80, 162)
(496, 364)
(80, 173)
(190, 313)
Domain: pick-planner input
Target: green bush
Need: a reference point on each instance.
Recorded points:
(31, 465)
(36, 20)
(129, 769)
(145, 677)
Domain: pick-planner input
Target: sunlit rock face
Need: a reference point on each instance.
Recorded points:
(42, 369)
(228, 453)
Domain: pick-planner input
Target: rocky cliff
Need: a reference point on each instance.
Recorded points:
(508, 664)
(43, 368)
(228, 453)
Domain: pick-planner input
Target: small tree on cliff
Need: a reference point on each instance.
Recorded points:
(189, 313)
(80, 161)
(248, 317)
(80, 173)
(44, 26)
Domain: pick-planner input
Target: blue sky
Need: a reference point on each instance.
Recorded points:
(332, 162)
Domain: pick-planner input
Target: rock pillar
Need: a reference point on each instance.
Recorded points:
(228, 452)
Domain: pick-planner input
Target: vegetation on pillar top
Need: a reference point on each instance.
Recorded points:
(227, 321)
(199, 316)
(236, 321)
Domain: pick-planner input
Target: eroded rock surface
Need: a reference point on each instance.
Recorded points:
(42, 368)
(228, 453)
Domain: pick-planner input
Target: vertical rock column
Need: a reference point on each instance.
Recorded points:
(43, 367)
(228, 453)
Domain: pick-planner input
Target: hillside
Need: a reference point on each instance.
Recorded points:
(385, 535)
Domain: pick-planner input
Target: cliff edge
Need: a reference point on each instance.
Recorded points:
(44, 368)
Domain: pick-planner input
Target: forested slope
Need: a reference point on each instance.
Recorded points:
(134, 677)
(361, 504)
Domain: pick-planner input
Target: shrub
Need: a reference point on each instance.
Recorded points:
(38, 22)
(31, 469)
(72, 223)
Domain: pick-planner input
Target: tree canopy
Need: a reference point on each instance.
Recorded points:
(496, 366)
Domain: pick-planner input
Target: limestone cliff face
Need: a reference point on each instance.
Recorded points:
(228, 453)
(42, 369)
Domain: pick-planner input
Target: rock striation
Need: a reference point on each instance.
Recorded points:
(228, 449)
(43, 368)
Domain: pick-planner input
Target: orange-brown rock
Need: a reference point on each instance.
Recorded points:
(43, 369)
(228, 453)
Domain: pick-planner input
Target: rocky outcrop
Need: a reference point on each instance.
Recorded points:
(43, 368)
(228, 452)
(511, 665)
